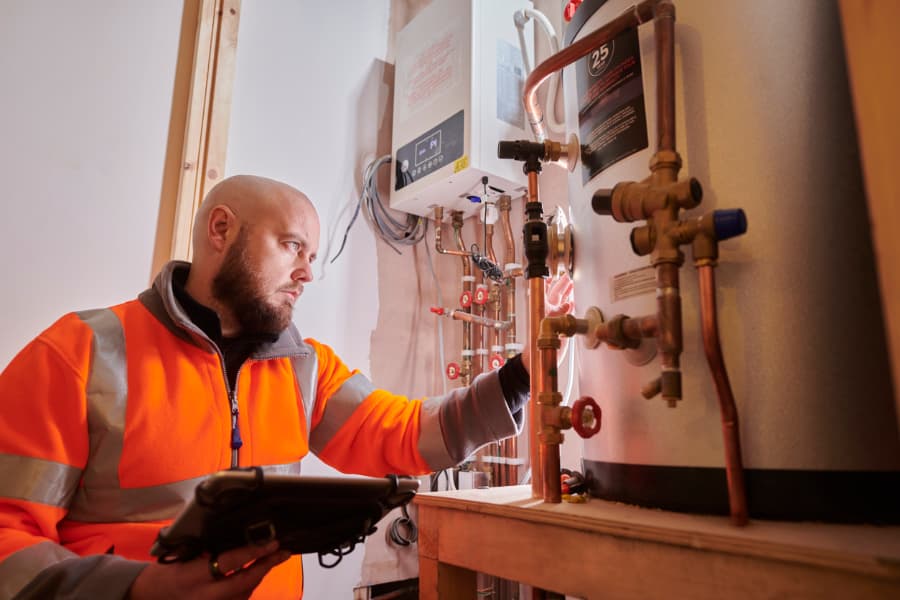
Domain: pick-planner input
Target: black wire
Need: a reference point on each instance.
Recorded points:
(347, 232)
(339, 553)
(491, 270)
(396, 529)
(385, 225)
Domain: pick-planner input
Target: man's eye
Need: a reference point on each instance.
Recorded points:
(293, 246)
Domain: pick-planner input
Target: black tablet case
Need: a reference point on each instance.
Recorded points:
(323, 515)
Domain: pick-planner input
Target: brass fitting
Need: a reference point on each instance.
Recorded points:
(563, 154)
(556, 416)
(631, 201)
(553, 327)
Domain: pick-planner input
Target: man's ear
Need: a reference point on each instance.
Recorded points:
(222, 223)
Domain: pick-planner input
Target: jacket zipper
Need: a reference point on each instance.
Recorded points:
(236, 441)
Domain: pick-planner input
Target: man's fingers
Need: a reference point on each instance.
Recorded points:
(246, 579)
(239, 557)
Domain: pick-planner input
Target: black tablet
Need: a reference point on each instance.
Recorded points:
(323, 515)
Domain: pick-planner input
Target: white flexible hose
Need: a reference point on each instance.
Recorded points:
(520, 18)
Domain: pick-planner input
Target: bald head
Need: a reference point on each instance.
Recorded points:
(250, 199)
(256, 235)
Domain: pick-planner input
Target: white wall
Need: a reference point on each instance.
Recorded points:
(308, 105)
(84, 113)
(84, 119)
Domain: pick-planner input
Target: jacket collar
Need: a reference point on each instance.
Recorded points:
(160, 300)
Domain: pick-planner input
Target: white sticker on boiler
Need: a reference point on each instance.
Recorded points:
(632, 283)
(433, 71)
(510, 83)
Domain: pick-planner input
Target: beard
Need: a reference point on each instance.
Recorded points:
(238, 288)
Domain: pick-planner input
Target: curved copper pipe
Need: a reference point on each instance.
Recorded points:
(632, 17)
(438, 220)
(734, 468)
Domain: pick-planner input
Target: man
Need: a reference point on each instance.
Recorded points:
(111, 417)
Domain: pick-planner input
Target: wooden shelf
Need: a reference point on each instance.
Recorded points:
(611, 550)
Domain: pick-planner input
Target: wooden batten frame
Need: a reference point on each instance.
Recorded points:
(198, 129)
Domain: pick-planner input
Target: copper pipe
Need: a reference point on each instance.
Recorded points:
(461, 315)
(535, 371)
(668, 307)
(734, 469)
(641, 327)
(494, 300)
(550, 439)
(438, 220)
(479, 334)
(664, 30)
(632, 17)
(553, 416)
(509, 257)
(508, 314)
(467, 362)
(536, 380)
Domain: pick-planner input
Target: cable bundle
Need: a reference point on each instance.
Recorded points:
(386, 226)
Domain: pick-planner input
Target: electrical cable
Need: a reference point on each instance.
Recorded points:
(389, 229)
(396, 529)
(490, 269)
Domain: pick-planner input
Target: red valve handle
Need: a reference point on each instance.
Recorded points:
(579, 416)
(453, 370)
(465, 299)
(496, 361)
(481, 295)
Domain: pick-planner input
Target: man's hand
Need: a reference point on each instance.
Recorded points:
(242, 570)
(559, 296)
(558, 300)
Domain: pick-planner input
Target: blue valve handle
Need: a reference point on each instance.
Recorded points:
(729, 223)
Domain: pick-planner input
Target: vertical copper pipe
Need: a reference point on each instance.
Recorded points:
(734, 468)
(667, 258)
(467, 361)
(480, 335)
(508, 313)
(535, 372)
(552, 490)
(668, 302)
(494, 291)
(509, 258)
(664, 30)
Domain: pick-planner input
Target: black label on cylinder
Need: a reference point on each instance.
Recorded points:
(612, 121)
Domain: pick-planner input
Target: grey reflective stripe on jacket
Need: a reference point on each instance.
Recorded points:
(107, 398)
(37, 480)
(455, 425)
(340, 406)
(20, 567)
(98, 577)
(452, 427)
(50, 568)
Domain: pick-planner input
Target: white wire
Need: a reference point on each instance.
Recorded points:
(520, 18)
(570, 385)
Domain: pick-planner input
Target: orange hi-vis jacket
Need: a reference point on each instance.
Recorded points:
(111, 417)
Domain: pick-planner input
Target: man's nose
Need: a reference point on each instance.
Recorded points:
(302, 273)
